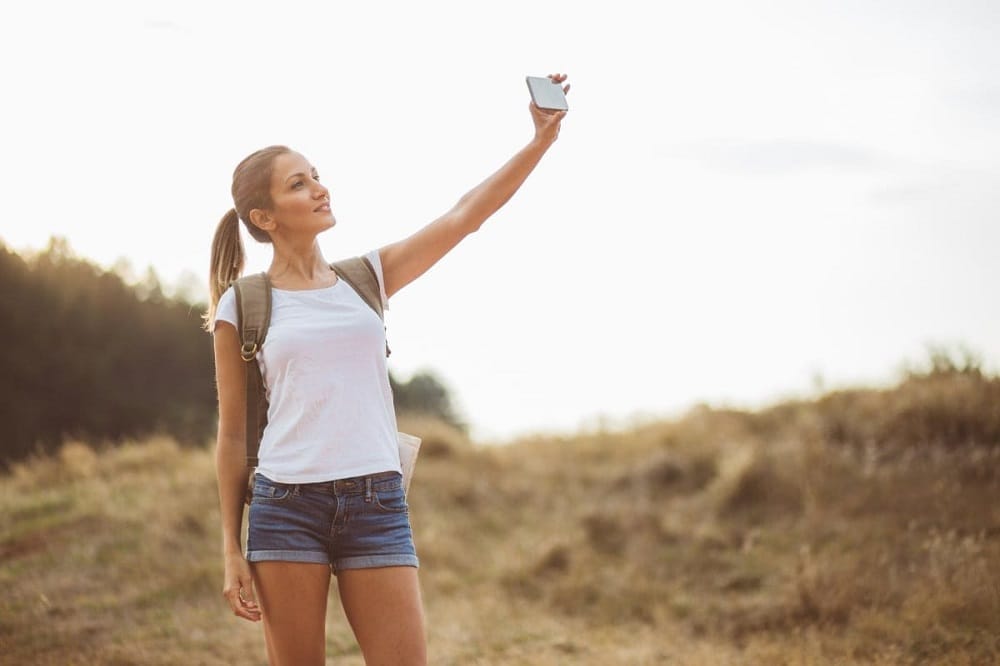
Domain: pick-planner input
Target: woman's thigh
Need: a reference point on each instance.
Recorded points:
(384, 608)
(292, 598)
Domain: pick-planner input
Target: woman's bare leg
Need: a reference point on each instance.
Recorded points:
(385, 611)
(292, 598)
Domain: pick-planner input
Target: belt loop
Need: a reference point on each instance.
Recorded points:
(368, 489)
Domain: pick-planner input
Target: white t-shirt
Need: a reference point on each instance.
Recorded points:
(330, 413)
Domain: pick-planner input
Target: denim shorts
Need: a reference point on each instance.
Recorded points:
(353, 523)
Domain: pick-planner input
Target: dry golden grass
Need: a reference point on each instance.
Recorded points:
(796, 535)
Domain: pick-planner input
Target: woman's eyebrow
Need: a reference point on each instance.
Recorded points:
(300, 173)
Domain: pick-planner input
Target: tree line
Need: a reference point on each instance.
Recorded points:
(86, 355)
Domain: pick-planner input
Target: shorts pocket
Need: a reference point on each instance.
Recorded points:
(266, 490)
(392, 500)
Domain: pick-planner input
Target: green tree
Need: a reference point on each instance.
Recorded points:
(89, 356)
(424, 393)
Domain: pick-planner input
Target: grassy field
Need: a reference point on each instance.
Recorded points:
(859, 528)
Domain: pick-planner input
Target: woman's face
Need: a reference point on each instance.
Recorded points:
(301, 203)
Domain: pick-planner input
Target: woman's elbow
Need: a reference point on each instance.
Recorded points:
(469, 218)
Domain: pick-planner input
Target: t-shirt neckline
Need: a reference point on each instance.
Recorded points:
(307, 291)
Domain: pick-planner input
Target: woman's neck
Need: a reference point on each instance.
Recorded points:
(301, 267)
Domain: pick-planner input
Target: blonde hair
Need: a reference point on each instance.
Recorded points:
(251, 189)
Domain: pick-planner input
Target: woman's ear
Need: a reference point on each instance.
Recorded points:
(262, 219)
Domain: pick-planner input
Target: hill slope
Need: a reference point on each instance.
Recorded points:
(863, 527)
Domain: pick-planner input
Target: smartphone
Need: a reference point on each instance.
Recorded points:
(546, 93)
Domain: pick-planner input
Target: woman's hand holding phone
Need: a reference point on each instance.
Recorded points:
(547, 120)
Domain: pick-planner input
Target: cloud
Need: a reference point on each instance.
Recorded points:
(960, 194)
(776, 156)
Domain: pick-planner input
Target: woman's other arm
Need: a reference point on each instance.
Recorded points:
(231, 468)
(408, 259)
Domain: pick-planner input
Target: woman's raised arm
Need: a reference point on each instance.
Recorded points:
(406, 260)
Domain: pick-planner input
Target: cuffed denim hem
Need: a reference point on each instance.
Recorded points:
(288, 556)
(374, 561)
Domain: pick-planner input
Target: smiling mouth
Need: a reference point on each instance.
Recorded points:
(325, 208)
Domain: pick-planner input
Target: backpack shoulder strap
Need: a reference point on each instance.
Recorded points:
(253, 309)
(360, 274)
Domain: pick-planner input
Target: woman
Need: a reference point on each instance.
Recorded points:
(327, 491)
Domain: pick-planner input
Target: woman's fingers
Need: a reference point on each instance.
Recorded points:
(248, 605)
(236, 605)
(559, 78)
(242, 607)
(247, 608)
(545, 115)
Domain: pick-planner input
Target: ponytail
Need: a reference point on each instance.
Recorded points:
(251, 189)
(228, 259)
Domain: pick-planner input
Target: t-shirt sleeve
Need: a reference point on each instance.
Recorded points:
(377, 263)
(226, 309)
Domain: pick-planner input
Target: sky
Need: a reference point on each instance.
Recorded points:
(747, 202)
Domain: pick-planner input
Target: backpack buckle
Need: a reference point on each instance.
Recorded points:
(248, 351)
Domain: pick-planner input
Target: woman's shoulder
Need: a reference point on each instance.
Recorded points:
(225, 309)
